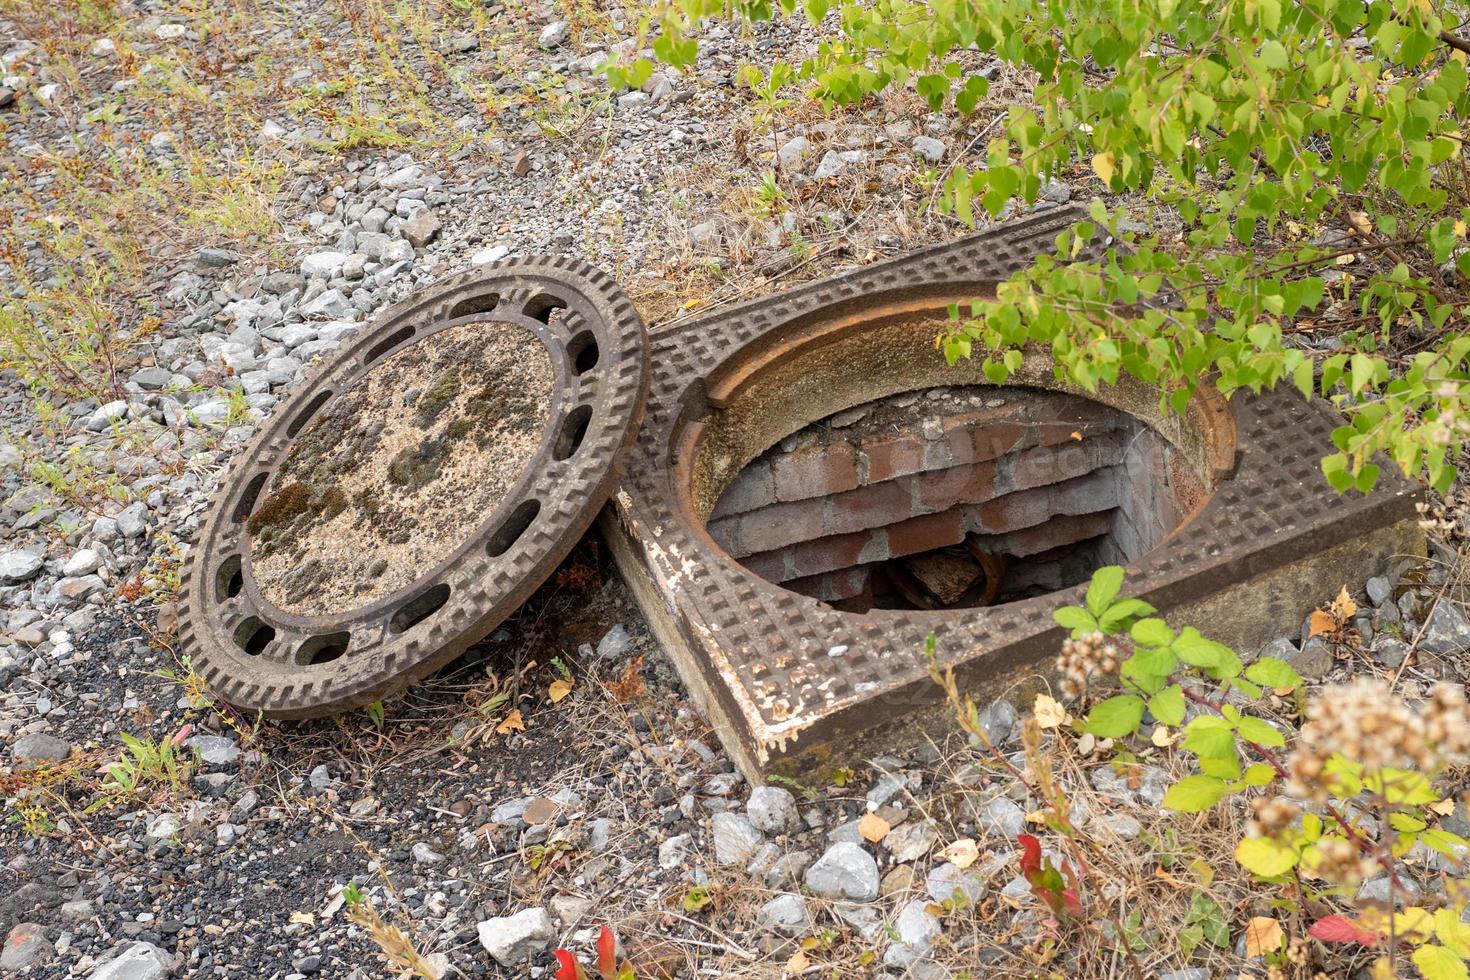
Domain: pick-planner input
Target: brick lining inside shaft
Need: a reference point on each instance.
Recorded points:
(1039, 487)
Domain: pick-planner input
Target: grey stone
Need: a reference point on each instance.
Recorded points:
(944, 880)
(1002, 817)
(915, 931)
(1446, 632)
(323, 264)
(39, 747)
(911, 841)
(424, 854)
(672, 852)
(615, 643)
(1380, 590)
(101, 420)
(571, 909)
(514, 939)
(1119, 824)
(735, 838)
(1313, 660)
(19, 566)
(1389, 650)
(831, 165)
(421, 228)
(706, 234)
(773, 810)
(845, 871)
(929, 148)
(214, 258)
(1197, 973)
(132, 521)
(788, 869)
(135, 961)
(375, 219)
(793, 152)
(27, 946)
(555, 34)
(999, 721)
(152, 379)
(83, 562)
(785, 914)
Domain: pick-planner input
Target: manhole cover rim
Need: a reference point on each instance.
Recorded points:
(483, 591)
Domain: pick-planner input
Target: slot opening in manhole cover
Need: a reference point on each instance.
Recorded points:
(954, 497)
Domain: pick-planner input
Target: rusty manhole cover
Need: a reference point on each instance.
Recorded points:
(414, 493)
(793, 557)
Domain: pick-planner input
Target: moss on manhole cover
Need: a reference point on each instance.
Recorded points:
(388, 481)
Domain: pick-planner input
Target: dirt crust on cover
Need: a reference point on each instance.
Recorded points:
(396, 472)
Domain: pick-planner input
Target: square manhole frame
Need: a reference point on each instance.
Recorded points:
(791, 685)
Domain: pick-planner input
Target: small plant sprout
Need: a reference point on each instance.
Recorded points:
(147, 763)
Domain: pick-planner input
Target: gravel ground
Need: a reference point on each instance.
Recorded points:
(255, 188)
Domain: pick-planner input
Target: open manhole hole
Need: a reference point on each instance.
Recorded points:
(815, 492)
(953, 498)
(417, 490)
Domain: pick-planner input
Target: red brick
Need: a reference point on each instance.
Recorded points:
(926, 533)
(972, 443)
(868, 507)
(769, 565)
(752, 488)
(780, 524)
(1014, 511)
(957, 485)
(1053, 464)
(815, 471)
(894, 455)
(1056, 533)
(836, 552)
(845, 583)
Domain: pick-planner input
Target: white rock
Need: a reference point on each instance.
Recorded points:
(515, 939)
(103, 417)
(323, 264)
(845, 871)
(785, 914)
(137, 961)
(19, 566)
(915, 931)
(487, 255)
(773, 810)
(84, 562)
(929, 148)
(170, 32)
(735, 838)
(555, 34)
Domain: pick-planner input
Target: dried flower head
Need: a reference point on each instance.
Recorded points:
(1366, 722)
(1271, 815)
(1082, 659)
(1447, 517)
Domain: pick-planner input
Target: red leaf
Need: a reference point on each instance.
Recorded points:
(607, 954)
(1030, 855)
(1341, 929)
(569, 968)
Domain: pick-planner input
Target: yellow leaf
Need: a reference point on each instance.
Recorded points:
(512, 723)
(1262, 935)
(1037, 817)
(1048, 711)
(1162, 737)
(305, 918)
(873, 827)
(1104, 167)
(1322, 622)
(799, 961)
(1086, 744)
(1444, 807)
(1460, 229)
(560, 688)
(1343, 607)
(962, 853)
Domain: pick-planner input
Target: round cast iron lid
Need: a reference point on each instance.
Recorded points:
(411, 495)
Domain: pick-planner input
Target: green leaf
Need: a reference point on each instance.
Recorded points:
(1076, 619)
(1210, 736)
(1122, 611)
(1195, 793)
(1255, 730)
(1154, 632)
(1273, 673)
(1438, 963)
(1107, 582)
(1265, 856)
(1168, 705)
(1116, 717)
(1259, 774)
